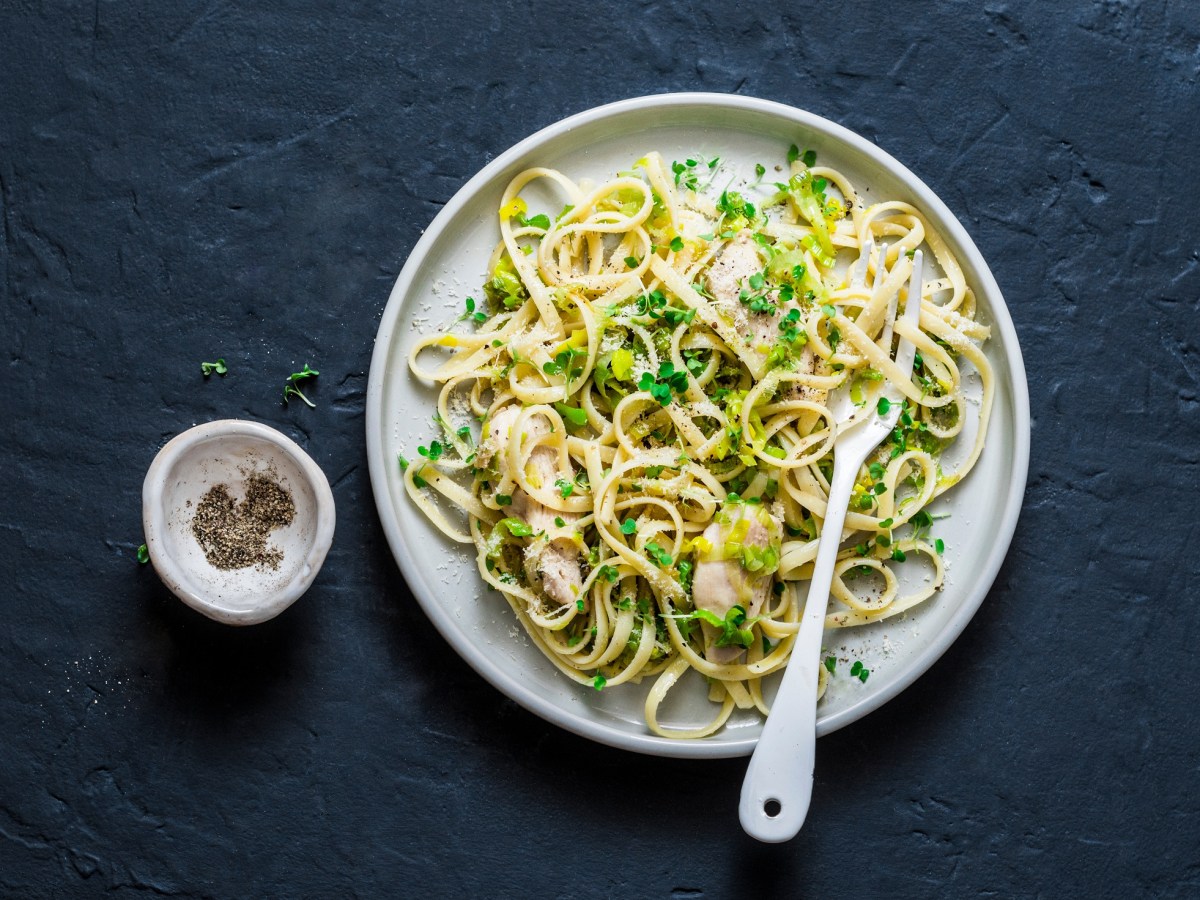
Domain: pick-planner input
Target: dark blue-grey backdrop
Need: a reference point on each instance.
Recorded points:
(180, 181)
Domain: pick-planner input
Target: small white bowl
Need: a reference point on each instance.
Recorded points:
(228, 452)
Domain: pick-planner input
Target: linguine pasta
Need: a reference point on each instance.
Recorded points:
(637, 433)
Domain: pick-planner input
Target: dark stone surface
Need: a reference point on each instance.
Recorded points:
(185, 180)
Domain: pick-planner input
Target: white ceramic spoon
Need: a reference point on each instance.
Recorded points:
(779, 779)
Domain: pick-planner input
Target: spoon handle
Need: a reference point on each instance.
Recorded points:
(778, 784)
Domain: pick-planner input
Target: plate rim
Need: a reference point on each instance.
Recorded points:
(599, 731)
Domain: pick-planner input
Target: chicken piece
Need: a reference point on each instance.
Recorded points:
(555, 560)
(735, 569)
(727, 278)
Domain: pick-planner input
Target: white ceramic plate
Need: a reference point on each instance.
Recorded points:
(449, 264)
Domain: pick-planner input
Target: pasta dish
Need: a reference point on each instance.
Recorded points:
(635, 425)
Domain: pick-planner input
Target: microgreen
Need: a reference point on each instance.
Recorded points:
(685, 575)
(207, 368)
(859, 671)
(658, 554)
(835, 338)
(417, 479)
(732, 205)
(504, 500)
(676, 243)
(290, 389)
(685, 174)
(668, 380)
(599, 682)
(831, 663)
(655, 305)
(562, 364)
(629, 526)
(789, 326)
(472, 313)
(564, 487)
(143, 554)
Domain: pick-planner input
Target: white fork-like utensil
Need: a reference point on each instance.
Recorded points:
(779, 779)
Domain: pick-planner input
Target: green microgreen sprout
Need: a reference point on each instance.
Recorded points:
(475, 315)
(669, 380)
(685, 174)
(143, 554)
(659, 555)
(417, 479)
(208, 368)
(859, 671)
(433, 452)
(290, 389)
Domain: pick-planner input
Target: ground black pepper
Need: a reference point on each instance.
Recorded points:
(234, 535)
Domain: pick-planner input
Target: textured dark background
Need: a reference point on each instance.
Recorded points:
(181, 181)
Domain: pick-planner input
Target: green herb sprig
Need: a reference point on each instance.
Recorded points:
(668, 381)
(291, 389)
